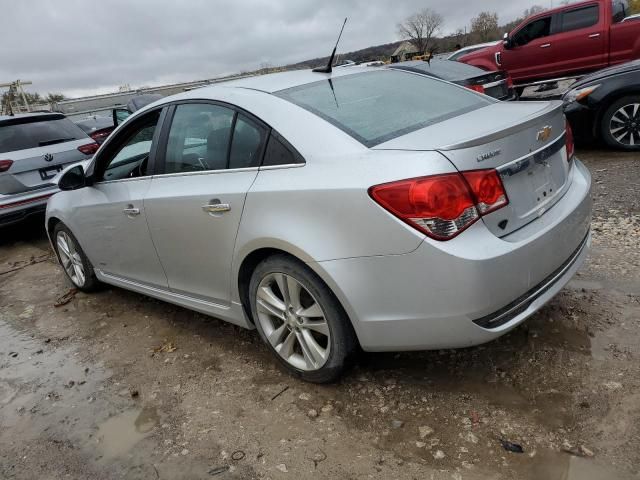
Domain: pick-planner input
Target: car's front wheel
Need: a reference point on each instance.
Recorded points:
(74, 262)
(300, 319)
(620, 125)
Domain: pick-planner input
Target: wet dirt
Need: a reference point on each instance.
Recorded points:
(84, 393)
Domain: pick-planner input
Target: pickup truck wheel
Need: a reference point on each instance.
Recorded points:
(620, 126)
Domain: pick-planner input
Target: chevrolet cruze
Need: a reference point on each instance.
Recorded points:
(365, 208)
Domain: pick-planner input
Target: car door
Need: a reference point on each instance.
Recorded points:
(195, 203)
(530, 51)
(580, 41)
(109, 215)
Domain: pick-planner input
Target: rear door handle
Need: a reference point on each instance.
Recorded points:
(131, 211)
(546, 45)
(216, 207)
(594, 35)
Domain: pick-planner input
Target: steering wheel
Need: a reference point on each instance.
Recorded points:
(141, 169)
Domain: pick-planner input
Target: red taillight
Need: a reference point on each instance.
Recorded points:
(476, 88)
(89, 148)
(5, 165)
(442, 206)
(568, 138)
(99, 136)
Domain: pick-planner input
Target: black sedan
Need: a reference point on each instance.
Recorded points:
(495, 84)
(606, 106)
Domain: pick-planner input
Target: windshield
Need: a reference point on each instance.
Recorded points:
(375, 107)
(34, 132)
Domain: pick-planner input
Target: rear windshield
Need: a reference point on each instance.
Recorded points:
(445, 69)
(375, 107)
(33, 132)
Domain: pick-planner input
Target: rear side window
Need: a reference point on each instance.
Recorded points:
(580, 18)
(246, 145)
(21, 134)
(375, 107)
(532, 31)
(280, 152)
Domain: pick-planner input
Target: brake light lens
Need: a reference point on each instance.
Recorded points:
(442, 206)
(5, 165)
(89, 148)
(99, 136)
(476, 88)
(571, 149)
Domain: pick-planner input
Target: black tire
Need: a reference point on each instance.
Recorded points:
(342, 338)
(90, 282)
(606, 121)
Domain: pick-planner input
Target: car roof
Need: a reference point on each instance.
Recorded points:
(29, 115)
(274, 82)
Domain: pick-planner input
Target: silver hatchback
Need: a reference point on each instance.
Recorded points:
(365, 208)
(34, 148)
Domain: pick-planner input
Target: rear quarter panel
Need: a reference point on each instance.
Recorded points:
(624, 42)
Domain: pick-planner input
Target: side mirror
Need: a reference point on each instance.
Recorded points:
(120, 115)
(506, 41)
(73, 179)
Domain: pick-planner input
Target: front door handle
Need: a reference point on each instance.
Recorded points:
(546, 45)
(131, 211)
(594, 35)
(216, 207)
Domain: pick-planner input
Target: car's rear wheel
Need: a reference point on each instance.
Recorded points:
(300, 320)
(74, 262)
(620, 126)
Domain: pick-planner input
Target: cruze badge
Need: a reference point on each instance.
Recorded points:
(544, 134)
(488, 155)
(48, 157)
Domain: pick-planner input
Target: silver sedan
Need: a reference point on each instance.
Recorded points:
(365, 208)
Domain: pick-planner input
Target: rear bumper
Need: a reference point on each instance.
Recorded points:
(15, 207)
(446, 294)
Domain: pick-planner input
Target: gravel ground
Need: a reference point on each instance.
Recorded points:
(117, 385)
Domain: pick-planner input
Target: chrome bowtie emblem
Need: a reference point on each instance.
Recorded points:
(48, 157)
(544, 134)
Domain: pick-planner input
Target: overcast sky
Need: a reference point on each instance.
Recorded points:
(81, 47)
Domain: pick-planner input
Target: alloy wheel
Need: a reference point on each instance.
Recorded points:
(70, 258)
(293, 322)
(625, 125)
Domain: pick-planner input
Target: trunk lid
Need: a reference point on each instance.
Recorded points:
(525, 142)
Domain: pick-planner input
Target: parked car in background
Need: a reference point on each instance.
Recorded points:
(632, 17)
(100, 127)
(571, 40)
(494, 84)
(33, 149)
(606, 105)
(471, 48)
(97, 127)
(368, 206)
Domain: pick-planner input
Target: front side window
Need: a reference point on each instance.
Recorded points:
(580, 18)
(532, 31)
(131, 158)
(375, 107)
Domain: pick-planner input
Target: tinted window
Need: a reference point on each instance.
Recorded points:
(279, 152)
(445, 69)
(246, 145)
(580, 18)
(536, 29)
(21, 134)
(131, 158)
(378, 106)
(620, 8)
(199, 138)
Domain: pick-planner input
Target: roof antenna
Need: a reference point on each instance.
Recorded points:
(327, 68)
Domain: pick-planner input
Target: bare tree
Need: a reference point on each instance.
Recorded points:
(420, 28)
(533, 10)
(485, 25)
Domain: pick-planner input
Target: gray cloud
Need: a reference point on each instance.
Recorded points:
(83, 47)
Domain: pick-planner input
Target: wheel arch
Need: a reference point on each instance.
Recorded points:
(251, 260)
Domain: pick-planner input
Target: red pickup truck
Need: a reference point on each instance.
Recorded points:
(568, 41)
